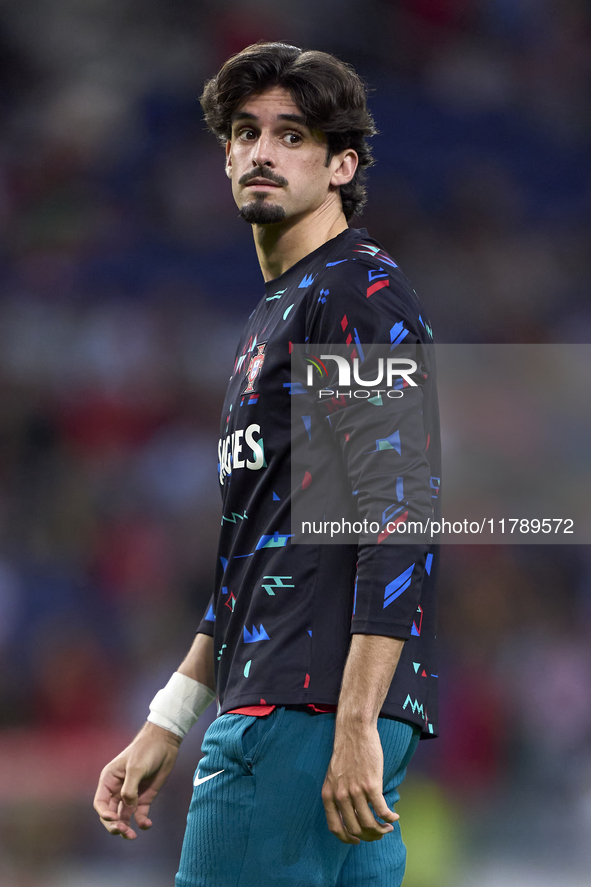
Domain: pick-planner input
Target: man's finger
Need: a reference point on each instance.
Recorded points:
(104, 810)
(348, 815)
(372, 829)
(107, 815)
(125, 812)
(105, 803)
(130, 787)
(141, 817)
(335, 823)
(378, 802)
(120, 828)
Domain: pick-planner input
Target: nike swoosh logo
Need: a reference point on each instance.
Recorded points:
(199, 780)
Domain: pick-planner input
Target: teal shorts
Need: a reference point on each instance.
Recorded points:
(257, 819)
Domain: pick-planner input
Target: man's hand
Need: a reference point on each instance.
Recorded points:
(353, 782)
(354, 779)
(130, 782)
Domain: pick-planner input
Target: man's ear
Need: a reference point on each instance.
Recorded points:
(345, 165)
(228, 159)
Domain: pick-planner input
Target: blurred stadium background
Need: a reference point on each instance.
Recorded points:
(125, 277)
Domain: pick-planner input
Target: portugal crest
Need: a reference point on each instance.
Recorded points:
(254, 367)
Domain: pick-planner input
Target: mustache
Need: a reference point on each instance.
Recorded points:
(260, 173)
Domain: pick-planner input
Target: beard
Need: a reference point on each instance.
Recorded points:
(260, 213)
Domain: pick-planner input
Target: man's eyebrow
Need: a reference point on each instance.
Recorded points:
(295, 118)
(246, 115)
(242, 115)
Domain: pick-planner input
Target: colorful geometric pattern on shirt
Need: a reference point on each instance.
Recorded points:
(282, 614)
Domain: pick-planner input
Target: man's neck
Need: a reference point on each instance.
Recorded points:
(282, 245)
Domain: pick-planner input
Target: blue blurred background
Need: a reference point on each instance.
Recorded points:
(125, 277)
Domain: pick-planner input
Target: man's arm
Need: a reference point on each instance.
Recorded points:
(130, 782)
(355, 774)
(198, 663)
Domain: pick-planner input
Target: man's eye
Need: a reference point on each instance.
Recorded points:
(292, 138)
(247, 134)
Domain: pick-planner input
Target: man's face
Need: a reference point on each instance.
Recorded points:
(276, 163)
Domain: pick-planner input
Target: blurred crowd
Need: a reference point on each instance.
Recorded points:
(125, 278)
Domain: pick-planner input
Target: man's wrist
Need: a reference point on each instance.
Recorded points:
(179, 704)
(150, 728)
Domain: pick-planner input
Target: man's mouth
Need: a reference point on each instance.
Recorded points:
(262, 183)
(249, 180)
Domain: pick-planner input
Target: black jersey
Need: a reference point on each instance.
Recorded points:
(282, 614)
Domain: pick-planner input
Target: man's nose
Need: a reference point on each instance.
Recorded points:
(263, 154)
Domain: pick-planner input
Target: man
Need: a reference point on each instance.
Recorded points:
(321, 655)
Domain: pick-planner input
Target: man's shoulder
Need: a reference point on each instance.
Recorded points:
(353, 246)
(360, 277)
(359, 263)
(366, 251)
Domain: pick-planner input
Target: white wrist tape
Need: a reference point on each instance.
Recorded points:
(178, 705)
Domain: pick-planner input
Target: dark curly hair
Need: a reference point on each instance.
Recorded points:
(328, 92)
